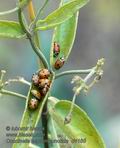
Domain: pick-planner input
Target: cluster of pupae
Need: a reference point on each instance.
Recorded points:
(41, 83)
(60, 60)
(41, 80)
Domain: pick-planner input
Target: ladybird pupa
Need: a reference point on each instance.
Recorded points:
(44, 91)
(36, 94)
(33, 104)
(44, 82)
(35, 79)
(59, 63)
(44, 73)
(56, 49)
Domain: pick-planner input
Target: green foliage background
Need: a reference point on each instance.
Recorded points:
(97, 36)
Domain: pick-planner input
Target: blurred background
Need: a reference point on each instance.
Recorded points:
(98, 35)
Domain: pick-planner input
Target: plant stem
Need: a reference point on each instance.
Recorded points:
(93, 71)
(72, 72)
(2, 76)
(45, 125)
(31, 11)
(36, 38)
(6, 92)
(68, 117)
(9, 11)
(22, 4)
(43, 63)
(72, 105)
(20, 80)
(39, 53)
(38, 15)
(32, 17)
(35, 48)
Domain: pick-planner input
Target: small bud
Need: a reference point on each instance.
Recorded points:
(75, 79)
(101, 62)
(3, 71)
(86, 89)
(35, 79)
(99, 75)
(67, 119)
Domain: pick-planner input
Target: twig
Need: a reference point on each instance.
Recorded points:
(35, 48)
(81, 84)
(41, 58)
(68, 117)
(72, 72)
(36, 38)
(45, 125)
(2, 76)
(33, 25)
(32, 17)
(9, 11)
(21, 5)
(6, 92)
(20, 79)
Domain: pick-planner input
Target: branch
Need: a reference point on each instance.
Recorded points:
(35, 48)
(38, 15)
(81, 84)
(20, 5)
(45, 125)
(20, 79)
(68, 117)
(9, 11)
(6, 92)
(72, 72)
(2, 72)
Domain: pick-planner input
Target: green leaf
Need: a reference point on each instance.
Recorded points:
(61, 14)
(10, 29)
(30, 119)
(80, 126)
(64, 35)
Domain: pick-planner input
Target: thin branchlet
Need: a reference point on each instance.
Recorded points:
(9, 11)
(70, 72)
(3, 84)
(34, 46)
(33, 25)
(21, 5)
(19, 80)
(42, 58)
(81, 84)
(10, 93)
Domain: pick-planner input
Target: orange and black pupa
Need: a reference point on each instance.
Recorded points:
(59, 63)
(36, 94)
(56, 49)
(33, 104)
(44, 73)
(35, 79)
